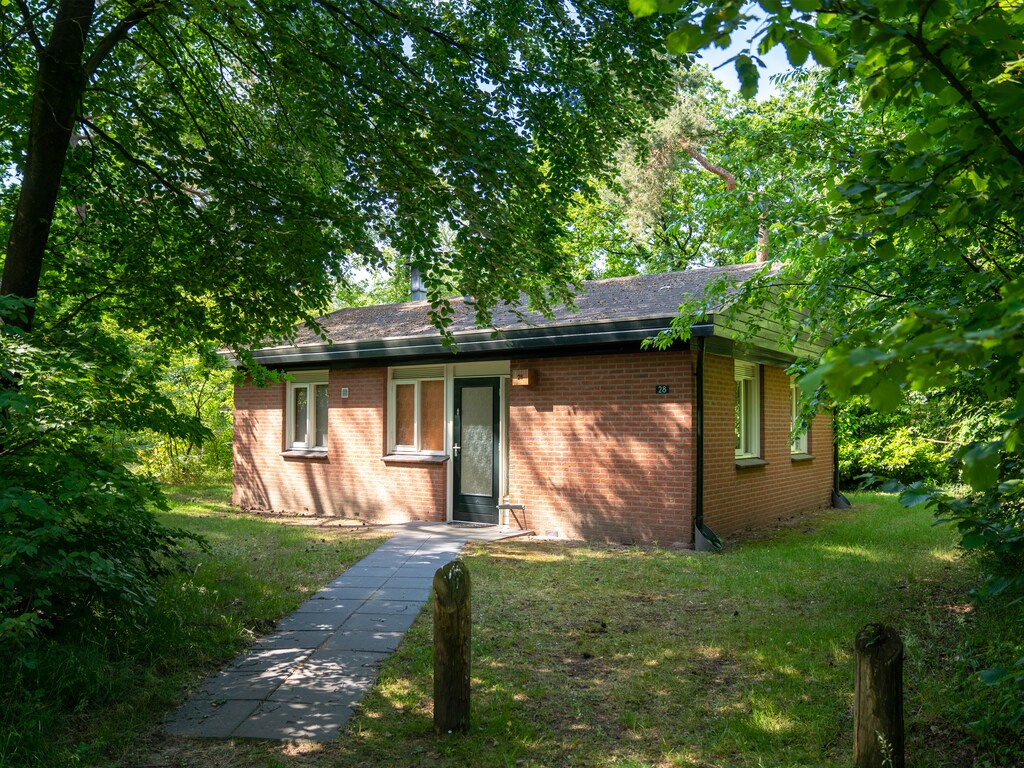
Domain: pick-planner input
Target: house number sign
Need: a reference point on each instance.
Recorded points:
(661, 389)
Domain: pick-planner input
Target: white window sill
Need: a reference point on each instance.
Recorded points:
(800, 457)
(414, 458)
(744, 462)
(304, 453)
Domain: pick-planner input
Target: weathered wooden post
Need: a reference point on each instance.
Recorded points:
(452, 621)
(878, 698)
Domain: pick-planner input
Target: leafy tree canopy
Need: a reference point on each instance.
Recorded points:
(229, 162)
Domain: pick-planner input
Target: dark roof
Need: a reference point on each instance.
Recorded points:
(637, 297)
(618, 309)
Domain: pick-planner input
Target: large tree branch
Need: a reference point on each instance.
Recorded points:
(30, 26)
(730, 184)
(707, 165)
(118, 33)
(187, 191)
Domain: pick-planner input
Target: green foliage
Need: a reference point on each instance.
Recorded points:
(897, 455)
(718, 179)
(231, 167)
(79, 535)
(912, 442)
(200, 387)
(103, 685)
(177, 178)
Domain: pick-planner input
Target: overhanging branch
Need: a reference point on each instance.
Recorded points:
(118, 33)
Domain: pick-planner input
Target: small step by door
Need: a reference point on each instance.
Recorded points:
(475, 452)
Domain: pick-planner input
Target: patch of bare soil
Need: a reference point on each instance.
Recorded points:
(805, 522)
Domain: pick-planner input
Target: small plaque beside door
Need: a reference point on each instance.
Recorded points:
(524, 377)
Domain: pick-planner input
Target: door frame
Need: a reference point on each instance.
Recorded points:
(480, 370)
(492, 383)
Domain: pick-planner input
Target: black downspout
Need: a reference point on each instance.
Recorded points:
(704, 539)
(698, 504)
(839, 501)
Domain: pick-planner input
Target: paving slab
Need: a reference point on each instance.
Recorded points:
(291, 721)
(341, 591)
(310, 622)
(379, 574)
(270, 659)
(375, 641)
(323, 688)
(383, 605)
(415, 594)
(330, 661)
(211, 718)
(358, 580)
(380, 622)
(294, 639)
(409, 582)
(302, 681)
(341, 608)
(244, 686)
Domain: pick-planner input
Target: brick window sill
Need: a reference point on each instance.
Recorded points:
(304, 453)
(797, 457)
(414, 458)
(753, 461)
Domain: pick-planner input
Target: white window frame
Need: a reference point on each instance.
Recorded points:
(414, 376)
(798, 443)
(748, 379)
(308, 380)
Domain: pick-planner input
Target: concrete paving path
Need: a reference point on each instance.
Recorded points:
(302, 680)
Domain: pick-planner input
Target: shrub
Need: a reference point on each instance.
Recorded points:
(78, 531)
(896, 455)
(79, 536)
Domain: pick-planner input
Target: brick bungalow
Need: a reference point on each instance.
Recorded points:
(564, 426)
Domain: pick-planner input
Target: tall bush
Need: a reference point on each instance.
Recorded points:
(78, 529)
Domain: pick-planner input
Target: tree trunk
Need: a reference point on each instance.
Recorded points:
(60, 82)
(452, 654)
(878, 699)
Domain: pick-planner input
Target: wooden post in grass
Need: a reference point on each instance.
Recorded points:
(878, 698)
(452, 614)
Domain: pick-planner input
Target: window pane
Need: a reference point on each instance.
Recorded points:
(799, 444)
(477, 441)
(321, 415)
(739, 415)
(432, 415)
(300, 415)
(405, 414)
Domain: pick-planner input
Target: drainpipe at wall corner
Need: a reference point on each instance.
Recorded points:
(839, 501)
(704, 539)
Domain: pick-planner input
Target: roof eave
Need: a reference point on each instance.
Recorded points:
(466, 343)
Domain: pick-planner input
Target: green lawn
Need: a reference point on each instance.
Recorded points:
(583, 655)
(627, 657)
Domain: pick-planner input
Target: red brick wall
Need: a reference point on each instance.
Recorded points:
(596, 454)
(593, 452)
(352, 481)
(741, 498)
